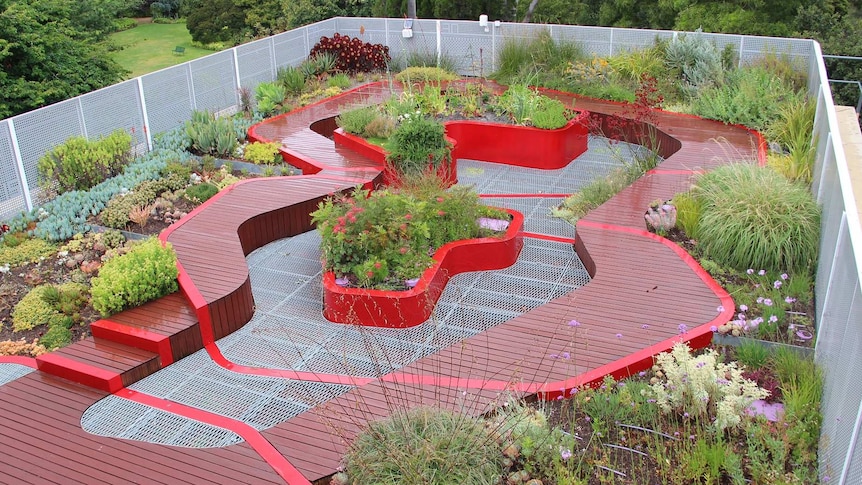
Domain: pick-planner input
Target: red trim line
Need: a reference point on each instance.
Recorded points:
(252, 436)
(548, 237)
(18, 359)
(138, 338)
(524, 196)
(662, 171)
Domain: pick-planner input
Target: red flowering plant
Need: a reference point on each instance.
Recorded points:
(380, 239)
(636, 121)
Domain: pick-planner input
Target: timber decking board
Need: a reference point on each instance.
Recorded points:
(79, 457)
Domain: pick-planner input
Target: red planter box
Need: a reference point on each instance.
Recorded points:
(401, 309)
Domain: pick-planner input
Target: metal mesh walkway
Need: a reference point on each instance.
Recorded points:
(10, 372)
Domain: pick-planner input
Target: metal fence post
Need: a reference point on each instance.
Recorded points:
(147, 132)
(439, 44)
(19, 166)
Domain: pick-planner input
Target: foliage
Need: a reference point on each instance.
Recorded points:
(753, 217)
(352, 54)
(417, 143)
(355, 121)
(633, 65)
(22, 347)
(215, 21)
(750, 96)
(78, 163)
(51, 51)
(148, 271)
(292, 79)
(116, 212)
(688, 209)
(270, 98)
(703, 386)
(793, 131)
(262, 153)
(422, 445)
(423, 74)
(752, 354)
(339, 80)
(388, 236)
(200, 193)
(32, 310)
(209, 135)
(696, 61)
(537, 61)
(27, 250)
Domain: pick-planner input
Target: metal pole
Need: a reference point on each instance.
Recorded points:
(439, 44)
(19, 165)
(147, 131)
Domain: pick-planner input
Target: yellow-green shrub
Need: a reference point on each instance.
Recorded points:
(424, 74)
(688, 210)
(79, 164)
(148, 271)
(32, 310)
(27, 251)
(261, 153)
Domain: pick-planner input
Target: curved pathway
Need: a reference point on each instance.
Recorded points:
(645, 295)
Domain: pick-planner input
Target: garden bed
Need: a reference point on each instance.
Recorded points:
(408, 308)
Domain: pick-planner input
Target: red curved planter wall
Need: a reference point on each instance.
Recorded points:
(401, 309)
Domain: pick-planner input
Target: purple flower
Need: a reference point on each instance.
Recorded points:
(743, 308)
(759, 299)
(642, 373)
(587, 419)
(573, 391)
(789, 299)
(784, 276)
(554, 356)
(762, 272)
(773, 319)
(566, 355)
(777, 284)
(700, 364)
(767, 302)
(565, 454)
(713, 329)
(720, 309)
(574, 323)
(619, 335)
(682, 328)
(685, 415)
(645, 327)
(749, 271)
(741, 316)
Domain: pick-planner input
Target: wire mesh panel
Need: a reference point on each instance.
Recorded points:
(169, 97)
(11, 192)
(371, 30)
(833, 213)
(114, 107)
(626, 40)
(594, 40)
(41, 130)
(422, 45)
(291, 48)
(214, 82)
(10, 372)
(794, 50)
(470, 46)
(256, 63)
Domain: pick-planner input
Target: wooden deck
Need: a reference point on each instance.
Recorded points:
(645, 295)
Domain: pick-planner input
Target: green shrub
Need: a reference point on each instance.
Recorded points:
(270, 98)
(209, 135)
(417, 143)
(750, 96)
(354, 121)
(57, 336)
(32, 310)
(752, 217)
(520, 60)
(425, 74)
(793, 130)
(27, 250)
(339, 80)
(201, 193)
(550, 114)
(632, 65)
(292, 79)
(421, 446)
(79, 164)
(262, 153)
(752, 354)
(148, 271)
(697, 61)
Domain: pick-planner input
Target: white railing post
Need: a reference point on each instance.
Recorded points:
(19, 166)
(191, 82)
(439, 43)
(236, 70)
(148, 133)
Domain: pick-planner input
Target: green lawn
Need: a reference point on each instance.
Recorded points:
(149, 47)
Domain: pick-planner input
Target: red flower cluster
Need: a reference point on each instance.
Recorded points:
(350, 217)
(352, 54)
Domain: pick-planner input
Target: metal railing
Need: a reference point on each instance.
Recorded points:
(165, 99)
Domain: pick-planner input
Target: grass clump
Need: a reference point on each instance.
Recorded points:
(422, 74)
(16, 249)
(356, 120)
(421, 446)
(752, 217)
(200, 193)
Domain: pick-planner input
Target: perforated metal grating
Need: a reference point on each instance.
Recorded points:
(288, 330)
(10, 372)
(121, 418)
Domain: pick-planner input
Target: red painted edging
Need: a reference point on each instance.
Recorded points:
(135, 337)
(79, 372)
(252, 436)
(401, 309)
(18, 359)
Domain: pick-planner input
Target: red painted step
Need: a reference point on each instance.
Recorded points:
(100, 364)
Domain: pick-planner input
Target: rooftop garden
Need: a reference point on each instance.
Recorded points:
(704, 416)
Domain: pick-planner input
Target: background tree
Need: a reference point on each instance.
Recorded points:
(49, 51)
(215, 21)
